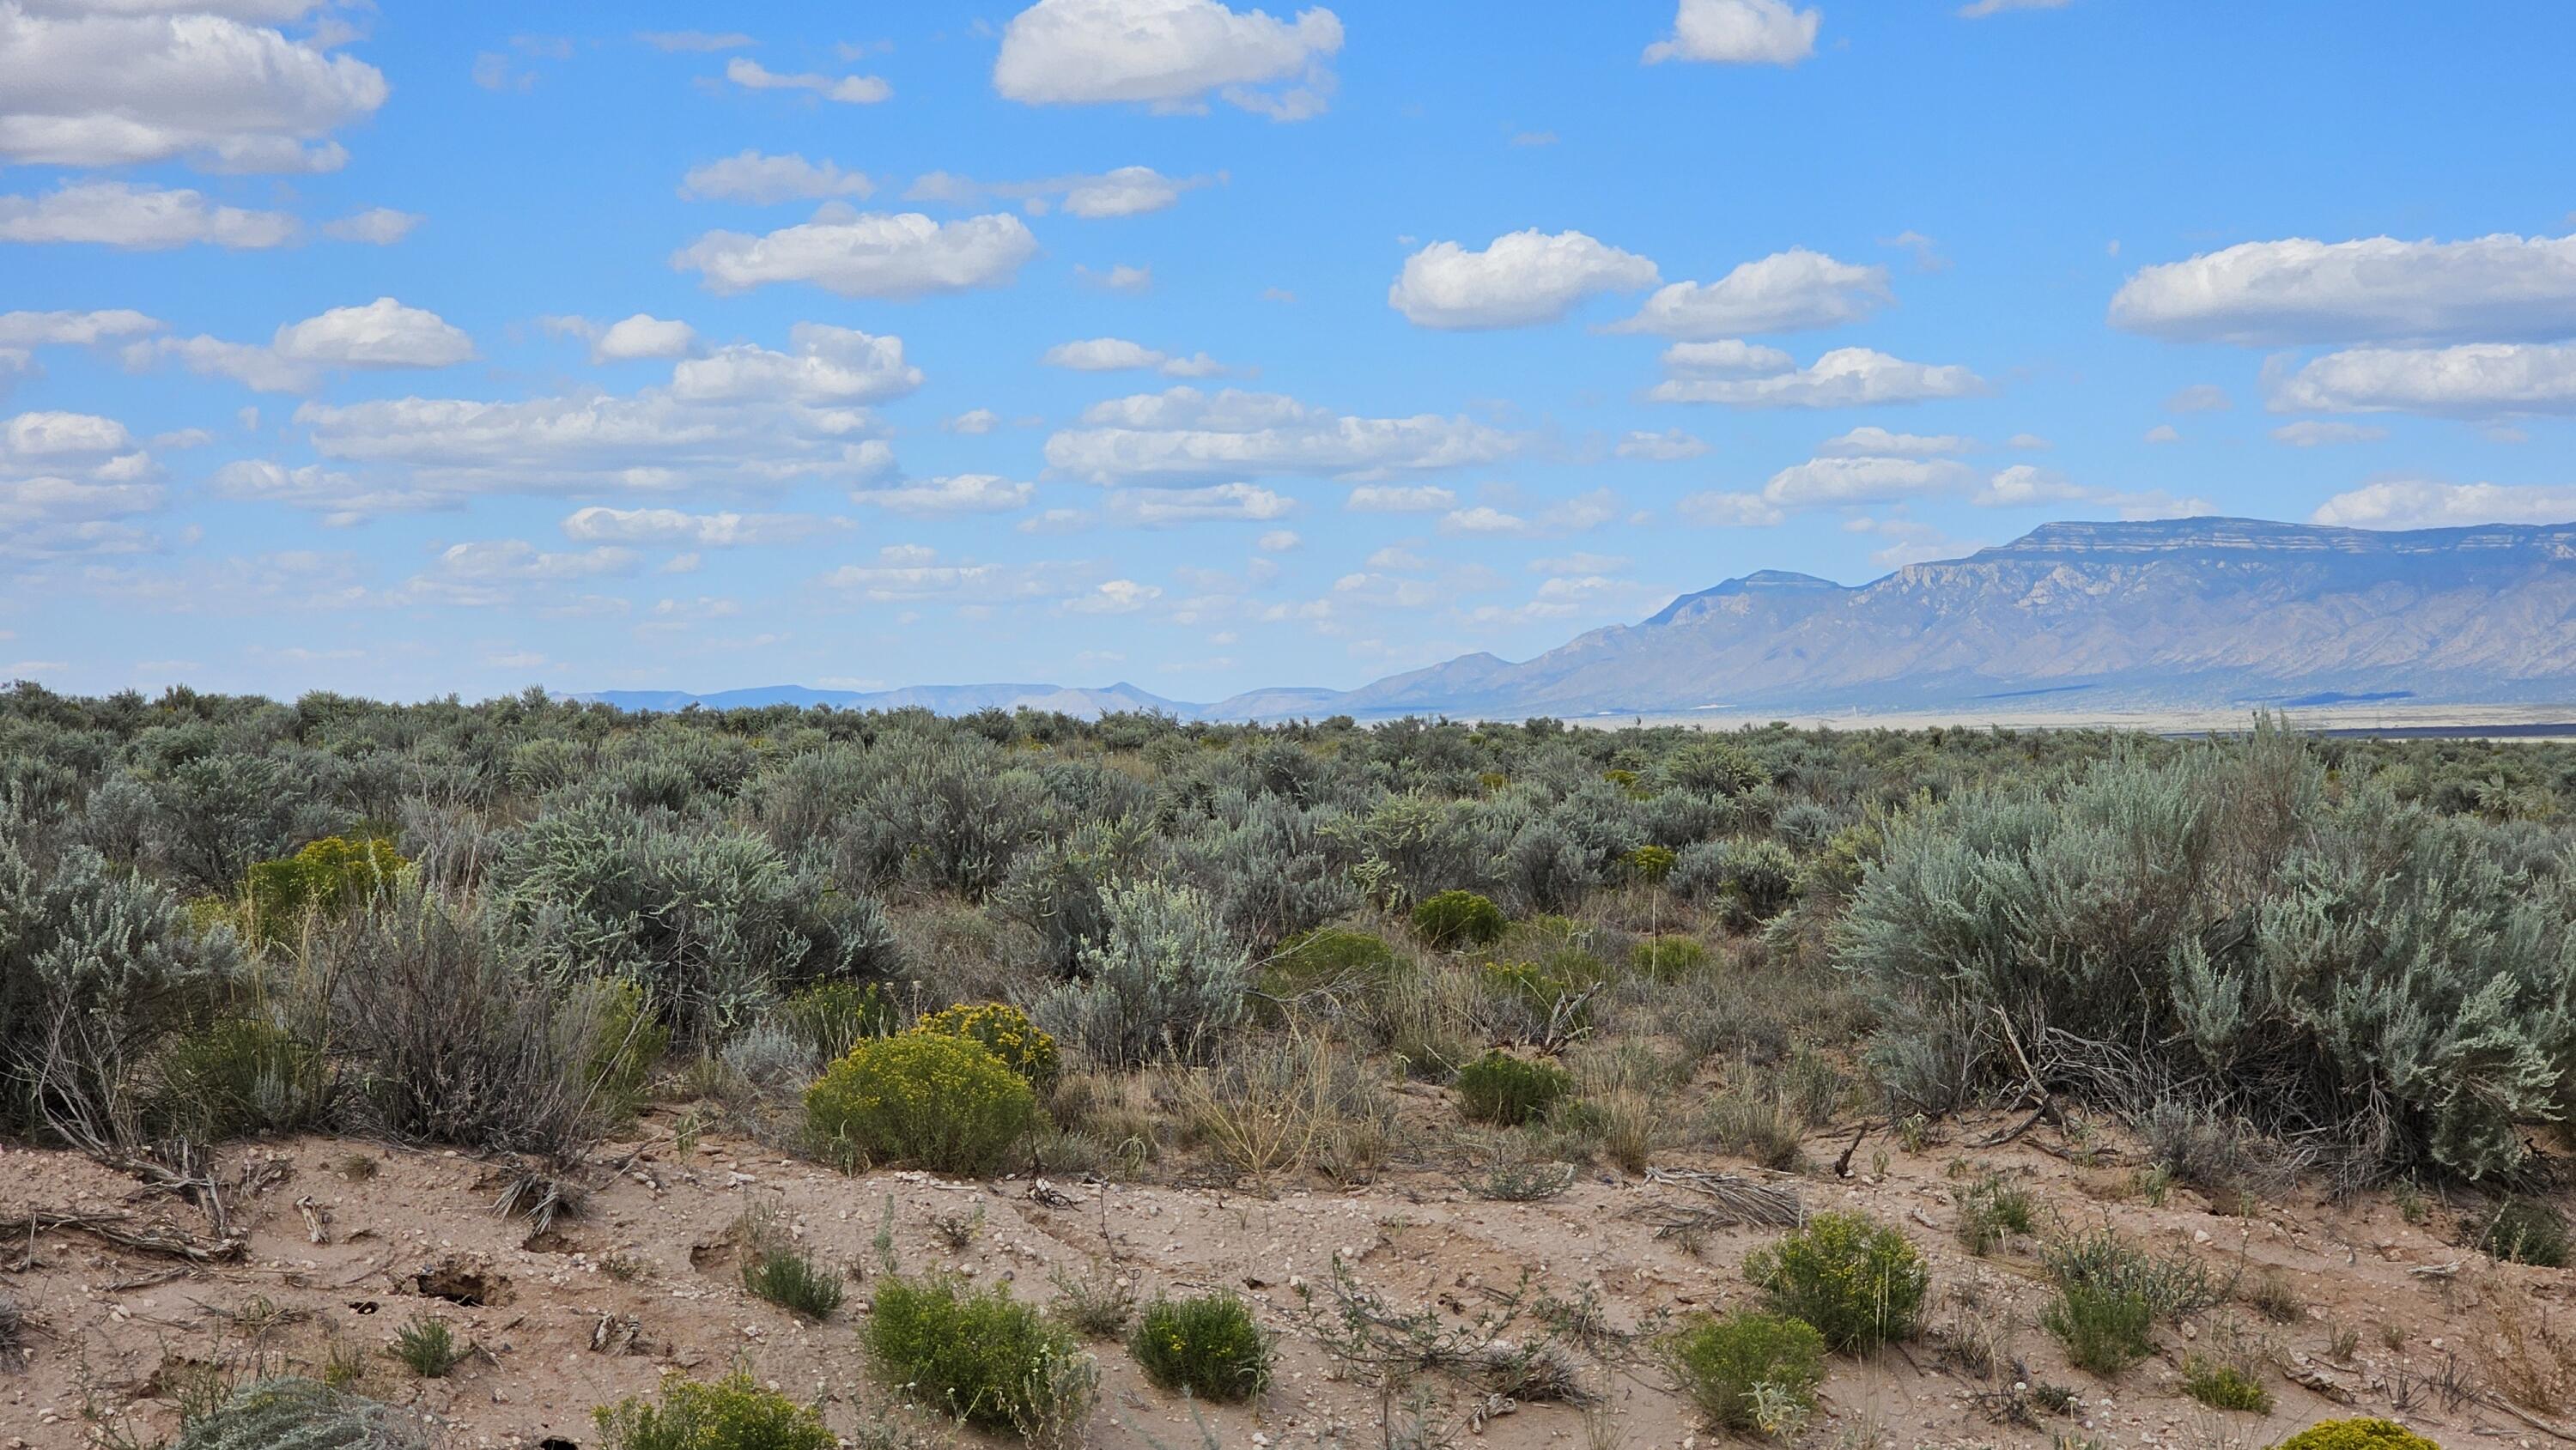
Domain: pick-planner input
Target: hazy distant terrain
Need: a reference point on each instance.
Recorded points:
(2129, 618)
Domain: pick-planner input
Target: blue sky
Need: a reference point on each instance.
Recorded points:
(1211, 348)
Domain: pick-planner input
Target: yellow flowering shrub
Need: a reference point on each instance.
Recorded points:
(1859, 1281)
(327, 877)
(1006, 1032)
(979, 1355)
(2357, 1434)
(734, 1413)
(941, 1102)
(1207, 1346)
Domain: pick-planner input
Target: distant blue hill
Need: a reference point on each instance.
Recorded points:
(2138, 615)
(938, 699)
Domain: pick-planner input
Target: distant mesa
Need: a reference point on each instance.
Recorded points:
(2165, 614)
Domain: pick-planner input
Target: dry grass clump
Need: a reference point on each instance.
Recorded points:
(1290, 1103)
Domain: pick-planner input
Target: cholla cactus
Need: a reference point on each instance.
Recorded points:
(302, 1414)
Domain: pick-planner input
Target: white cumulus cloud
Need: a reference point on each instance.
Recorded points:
(1793, 291)
(138, 218)
(1726, 358)
(680, 529)
(1847, 481)
(2025, 486)
(1123, 191)
(1101, 355)
(1117, 354)
(381, 334)
(961, 493)
(73, 484)
(1844, 378)
(740, 418)
(1870, 440)
(1217, 503)
(867, 254)
(112, 85)
(750, 74)
(2427, 504)
(380, 226)
(2380, 289)
(1399, 498)
(1521, 278)
(2473, 380)
(643, 336)
(754, 176)
(71, 329)
(825, 366)
(1187, 436)
(1739, 32)
(1170, 55)
(1672, 443)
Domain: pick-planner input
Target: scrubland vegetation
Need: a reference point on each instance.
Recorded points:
(1159, 952)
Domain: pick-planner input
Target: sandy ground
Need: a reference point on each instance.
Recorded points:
(116, 1332)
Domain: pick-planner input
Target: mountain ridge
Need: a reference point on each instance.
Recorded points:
(2180, 612)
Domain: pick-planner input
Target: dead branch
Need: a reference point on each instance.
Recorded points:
(144, 1238)
(1740, 1200)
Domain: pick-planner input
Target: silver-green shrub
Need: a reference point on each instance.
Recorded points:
(97, 966)
(943, 811)
(300, 1414)
(1166, 978)
(2222, 928)
(715, 924)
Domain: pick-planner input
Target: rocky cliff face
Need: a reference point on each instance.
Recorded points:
(2179, 612)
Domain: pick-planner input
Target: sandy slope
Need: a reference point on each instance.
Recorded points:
(116, 1321)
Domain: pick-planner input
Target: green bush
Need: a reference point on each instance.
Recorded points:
(1667, 958)
(428, 1348)
(1991, 1212)
(790, 1279)
(627, 1044)
(2105, 1330)
(1714, 767)
(943, 1103)
(1007, 1033)
(830, 1018)
(1500, 1088)
(2171, 1285)
(2525, 1231)
(1748, 880)
(1207, 1346)
(301, 1414)
(1859, 1281)
(324, 879)
(2357, 1434)
(979, 1355)
(1554, 990)
(1330, 960)
(2225, 1387)
(1650, 864)
(1757, 1125)
(734, 1413)
(241, 1075)
(1458, 919)
(1722, 1360)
